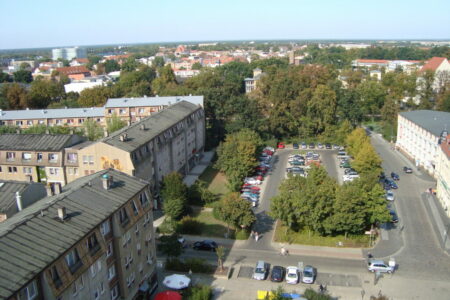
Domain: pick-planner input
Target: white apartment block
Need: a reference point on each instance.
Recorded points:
(418, 135)
(443, 174)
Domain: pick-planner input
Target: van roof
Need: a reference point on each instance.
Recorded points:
(376, 261)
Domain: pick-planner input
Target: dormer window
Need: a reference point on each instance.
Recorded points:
(123, 216)
(73, 261)
(92, 244)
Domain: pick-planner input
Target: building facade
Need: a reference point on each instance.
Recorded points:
(129, 110)
(36, 157)
(69, 53)
(93, 240)
(418, 136)
(443, 174)
(251, 83)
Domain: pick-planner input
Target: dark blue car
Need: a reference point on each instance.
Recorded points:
(395, 176)
(390, 184)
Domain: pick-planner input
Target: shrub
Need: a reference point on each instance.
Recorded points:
(242, 234)
(200, 292)
(189, 225)
(167, 227)
(175, 264)
(195, 265)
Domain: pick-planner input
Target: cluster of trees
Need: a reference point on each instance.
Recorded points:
(174, 195)
(317, 203)
(237, 156)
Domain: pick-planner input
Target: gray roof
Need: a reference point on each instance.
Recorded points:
(152, 101)
(432, 121)
(37, 142)
(8, 191)
(35, 237)
(56, 113)
(154, 124)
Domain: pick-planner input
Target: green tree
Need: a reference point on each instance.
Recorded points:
(220, 253)
(158, 62)
(92, 130)
(16, 95)
(197, 66)
(367, 160)
(202, 292)
(166, 79)
(372, 95)
(174, 194)
(355, 140)
(130, 65)
(426, 91)
(237, 156)
(236, 211)
(25, 66)
(96, 96)
(170, 246)
(4, 77)
(114, 123)
(23, 76)
(43, 92)
(111, 65)
(444, 102)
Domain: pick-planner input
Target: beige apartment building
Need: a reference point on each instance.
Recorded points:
(94, 239)
(128, 109)
(170, 140)
(443, 174)
(36, 157)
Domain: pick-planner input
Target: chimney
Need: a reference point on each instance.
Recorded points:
(19, 201)
(106, 181)
(57, 189)
(49, 190)
(62, 213)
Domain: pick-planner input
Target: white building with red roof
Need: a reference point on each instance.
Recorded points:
(441, 69)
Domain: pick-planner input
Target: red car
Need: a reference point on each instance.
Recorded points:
(268, 152)
(281, 145)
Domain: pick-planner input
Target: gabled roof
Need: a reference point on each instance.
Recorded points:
(432, 121)
(154, 126)
(433, 63)
(73, 70)
(38, 142)
(152, 101)
(56, 113)
(35, 237)
(373, 61)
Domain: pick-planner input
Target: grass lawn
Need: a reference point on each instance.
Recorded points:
(216, 181)
(306, 238)
(211, 226)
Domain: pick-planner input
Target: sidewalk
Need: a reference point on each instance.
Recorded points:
(331, 252)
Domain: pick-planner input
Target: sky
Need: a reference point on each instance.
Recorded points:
(49, 23)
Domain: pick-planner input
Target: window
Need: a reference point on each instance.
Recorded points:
(31, 290)
(75, 171)
(29, 122)
(41, 121)
(105, 228)
(10, 156)
(72, 157)
(110, 111)
(138, 248)
(73, 260)
(27, 170)
(58, 122)
(70, 171)
(126, 238)
(93, 271)
(102, 288)
(149, 258)
(88, 159)
(53, 171)
(141, 110)
(80, 282)
(99, 265)
(55, 277)
(53, 157)
(122, 111)
(69, 121)
(96, 294)
(19, 123)
(92, 244)
(109, 250)
(123, 216)
(136, 229)
(143, 199)
(140, 268)
(0, 169)
(74, 288)
(39, 156)
(114, 292)
(26, 156)
(12, 169)
(80, 121)
(111, 272)
(135, 208)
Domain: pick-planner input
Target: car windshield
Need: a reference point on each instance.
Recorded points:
(292, 275)
(307, 274)
(259, 270)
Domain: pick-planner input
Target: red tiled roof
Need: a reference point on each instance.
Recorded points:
(82, 60)
(73, 70)
(433, 64)
(373, 61)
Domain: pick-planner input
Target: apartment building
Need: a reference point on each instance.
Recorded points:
(170, 140)
(418, 136)
(69, 53)
(443, 174)
(251, 83)
(93, 240)
(17, 195)
(128, 109)
(36, 157)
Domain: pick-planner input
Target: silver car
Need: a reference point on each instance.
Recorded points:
(390, 196)
(379, 266)
(261, 270)
(308, 274)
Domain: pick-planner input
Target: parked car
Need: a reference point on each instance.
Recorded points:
(342, 153)
(320, 146)
(295, 146)
(407, 170)
(328, 146)
(277, 274)
(206, 245)
(182, 241)
(297, 163)
(281, 145)
(269, 148)
(251, 180)
(395, 176)
(348, 170)
(375, 265)
(336, 147)
(311, 146)
(390, 196)
(304, 146)
(345, 164)
(292, 275)
(261, 270)
(308, 274)
(394, 217)
(350, 177)
(391, 183)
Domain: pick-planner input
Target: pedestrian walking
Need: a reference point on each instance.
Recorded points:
(256, 236)
(252, 234)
